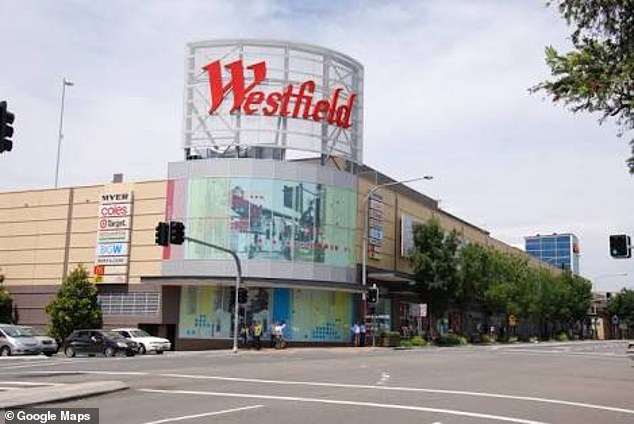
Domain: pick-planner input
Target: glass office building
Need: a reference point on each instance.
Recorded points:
(559, 250)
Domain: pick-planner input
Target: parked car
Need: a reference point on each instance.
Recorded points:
(146, 342)
(48, 345)
(630, 351)
(97, 342)
(15, 341)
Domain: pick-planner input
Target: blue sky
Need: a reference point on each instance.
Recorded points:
(446, 93)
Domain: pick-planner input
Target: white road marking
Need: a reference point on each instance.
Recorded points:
(355, 386)
(350, 403)
(206, 414)
(384, 377)
(542, 352)
(29, 383)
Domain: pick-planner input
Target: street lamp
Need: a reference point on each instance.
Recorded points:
(60, 135)
(366, 201)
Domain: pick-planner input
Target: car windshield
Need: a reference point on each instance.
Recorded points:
(16, 332)
(33, 331)
(139, 333)
(113, 335)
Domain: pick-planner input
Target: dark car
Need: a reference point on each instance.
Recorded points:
(96, 342)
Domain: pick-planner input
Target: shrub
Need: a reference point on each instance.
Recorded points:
(561, 337)
(485, 338)
(451, 340)
(418, 341)
(406, 343)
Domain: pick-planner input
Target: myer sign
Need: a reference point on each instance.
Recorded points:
(113, 238)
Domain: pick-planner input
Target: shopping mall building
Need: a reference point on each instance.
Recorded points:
(273, 170)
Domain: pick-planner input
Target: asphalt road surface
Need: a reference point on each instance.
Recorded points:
(581, 382)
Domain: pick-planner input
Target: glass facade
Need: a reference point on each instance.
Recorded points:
(559, 250)
(206, 312)
(271, 220)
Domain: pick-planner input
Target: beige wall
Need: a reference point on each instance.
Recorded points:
(395, 205)
(43, 233)
(36, 249)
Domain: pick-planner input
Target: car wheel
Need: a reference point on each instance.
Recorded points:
(5, 351)
(142, 350)
(69, 352)
(129, 354)
(49, 354)
(159, 352)
(109, 352)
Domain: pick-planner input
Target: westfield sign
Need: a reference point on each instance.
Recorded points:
(294, 101)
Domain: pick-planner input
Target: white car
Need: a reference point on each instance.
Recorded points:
(147, 342)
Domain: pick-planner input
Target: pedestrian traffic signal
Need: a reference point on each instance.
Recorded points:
(620, 246)
(162, 235)
(243, 295)
(6, 130)
(177, 232)
(373, 294)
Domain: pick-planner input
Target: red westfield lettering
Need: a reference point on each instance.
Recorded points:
(292, 102)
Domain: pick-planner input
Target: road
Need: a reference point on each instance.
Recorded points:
(582, 382)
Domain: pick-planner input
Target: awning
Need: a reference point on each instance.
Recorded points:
(389, 277)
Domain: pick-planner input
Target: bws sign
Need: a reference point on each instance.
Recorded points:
(294, 102)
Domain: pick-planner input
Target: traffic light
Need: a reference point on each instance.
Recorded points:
(6, 130)
(243, 295)
(162, 235)
(620, 246)
(177, 232)
(373, 294)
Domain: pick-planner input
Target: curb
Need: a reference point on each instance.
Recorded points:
(38, 395)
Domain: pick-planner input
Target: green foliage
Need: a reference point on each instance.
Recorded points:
(406, 343)
(6, 305)
(451, 340)
(485, 338)
(75, 305)
(561, 337)
(622, 305)
(434, 261)
(418, 341)
(596, 76)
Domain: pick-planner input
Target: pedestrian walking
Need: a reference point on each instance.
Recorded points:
(356, 334)
(257, 335)
(362, 330)
(244, 333)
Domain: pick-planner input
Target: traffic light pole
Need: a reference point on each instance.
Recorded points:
(238, 284)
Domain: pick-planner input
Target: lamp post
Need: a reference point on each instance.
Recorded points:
(60, 135)
(364, 270)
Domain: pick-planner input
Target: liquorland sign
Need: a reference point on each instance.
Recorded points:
(294, 101)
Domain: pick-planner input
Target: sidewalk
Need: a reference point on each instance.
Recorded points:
(33, 396)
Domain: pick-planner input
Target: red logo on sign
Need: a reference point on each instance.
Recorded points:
(296, 103)
(114, 210)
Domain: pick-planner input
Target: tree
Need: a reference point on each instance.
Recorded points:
(622, 305)
(6, 308)
(6, 303)
(598, 74)
(75, 305)
(434, 259)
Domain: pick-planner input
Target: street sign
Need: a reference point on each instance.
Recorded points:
(615, 319)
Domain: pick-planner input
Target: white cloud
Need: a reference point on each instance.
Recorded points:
(445, 93)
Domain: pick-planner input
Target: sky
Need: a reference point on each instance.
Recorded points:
(445, 86)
